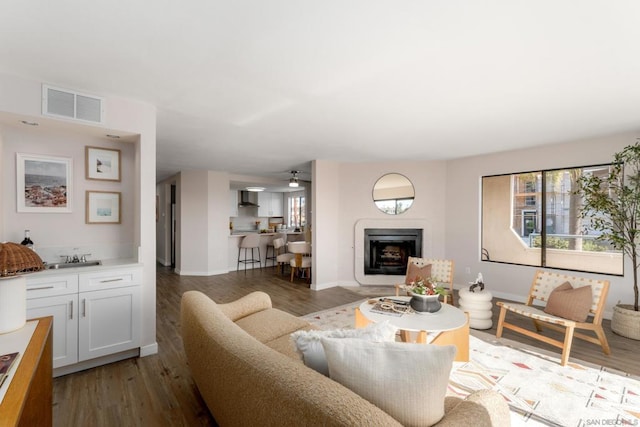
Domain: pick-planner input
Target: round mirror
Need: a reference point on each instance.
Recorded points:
(393, 193)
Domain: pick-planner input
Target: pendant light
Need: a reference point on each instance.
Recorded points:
(293, 182)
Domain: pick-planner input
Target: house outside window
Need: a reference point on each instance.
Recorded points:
(532, 218)
(296, 210)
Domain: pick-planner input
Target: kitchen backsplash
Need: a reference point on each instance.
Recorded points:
(53, 254)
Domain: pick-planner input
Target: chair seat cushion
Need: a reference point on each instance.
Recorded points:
(284, 257)
(535, 313)
(569, 302)
(306, 262)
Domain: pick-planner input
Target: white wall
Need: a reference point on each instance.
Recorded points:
(355, 202)
(218, 199)
(463, 211)
(326, 220)
(203, 223)
(66, 229)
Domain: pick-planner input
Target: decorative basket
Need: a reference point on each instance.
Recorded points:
(16, 259)
(626, 321)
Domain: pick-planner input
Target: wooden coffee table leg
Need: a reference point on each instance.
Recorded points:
(458, 337)
(405, 336)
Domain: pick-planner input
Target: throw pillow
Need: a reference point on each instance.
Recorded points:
(308, 343)
(570, 303)
(407, 381)
(414, 271)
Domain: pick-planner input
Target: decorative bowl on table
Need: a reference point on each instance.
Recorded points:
(425, 303)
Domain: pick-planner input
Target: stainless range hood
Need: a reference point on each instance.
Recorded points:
(244, 200)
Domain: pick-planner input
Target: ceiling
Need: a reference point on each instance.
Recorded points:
(263, 87)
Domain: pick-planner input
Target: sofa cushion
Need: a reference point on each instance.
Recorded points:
(270, 324)
(283, 344)
(408, 381)
(570, 303)
(308, 344)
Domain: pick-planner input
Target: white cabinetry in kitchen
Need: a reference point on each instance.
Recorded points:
(270, 204)
(95, 313)
(233, 200)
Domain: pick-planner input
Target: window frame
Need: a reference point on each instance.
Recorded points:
(485, 256)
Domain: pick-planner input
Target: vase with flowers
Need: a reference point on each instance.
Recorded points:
(425, 294)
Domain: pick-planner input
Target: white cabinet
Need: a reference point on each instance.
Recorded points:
(270, 204)
(233, 200)
(95, 313)
(109, 322)
(64, 309)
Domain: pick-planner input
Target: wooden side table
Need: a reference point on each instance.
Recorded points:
(28, 400)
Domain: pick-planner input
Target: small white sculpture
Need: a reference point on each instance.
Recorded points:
(479, 282)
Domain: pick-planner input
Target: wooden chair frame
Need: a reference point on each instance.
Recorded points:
(543, 283)
(442, 269)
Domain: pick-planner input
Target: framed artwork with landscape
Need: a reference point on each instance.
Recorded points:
(44, 183)
(103, 207)
(102, 164)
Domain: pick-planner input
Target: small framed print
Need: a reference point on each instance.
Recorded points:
(103, 207)
(44, 183)
(102, 164)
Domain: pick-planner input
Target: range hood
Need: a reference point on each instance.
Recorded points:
(244, 200)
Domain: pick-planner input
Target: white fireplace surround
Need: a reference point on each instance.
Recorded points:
(358, 247)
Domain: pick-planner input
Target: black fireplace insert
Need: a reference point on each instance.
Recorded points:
(387, 250)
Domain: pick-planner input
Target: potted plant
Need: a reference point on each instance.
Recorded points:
(612, 205)
(425, 293)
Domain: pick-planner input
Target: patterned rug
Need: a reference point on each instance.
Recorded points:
(539, 391)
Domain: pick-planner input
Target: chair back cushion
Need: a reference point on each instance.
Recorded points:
(569, 303)
(441, 269)
(545, 282)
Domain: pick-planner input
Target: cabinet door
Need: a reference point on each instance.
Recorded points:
(64, 310)
(277, 203)
(264, 200)
(109, 322)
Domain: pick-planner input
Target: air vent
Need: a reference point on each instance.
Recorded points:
(72, 105)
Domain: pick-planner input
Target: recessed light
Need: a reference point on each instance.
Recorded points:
(256, 189)
(113, 136)
(25, 122)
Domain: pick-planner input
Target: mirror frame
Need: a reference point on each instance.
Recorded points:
(394, 200)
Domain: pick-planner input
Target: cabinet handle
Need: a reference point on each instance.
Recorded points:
(71, 312)
(39, 288)
(119, 279)
(84, 307)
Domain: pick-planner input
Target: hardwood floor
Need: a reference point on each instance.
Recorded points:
(157, 390)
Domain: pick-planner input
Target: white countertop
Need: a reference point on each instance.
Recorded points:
(107, 264)
(244, 233)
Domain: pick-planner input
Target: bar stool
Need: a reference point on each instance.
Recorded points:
(271, 248)
(299, 261)
(282, 257)
(250, 241)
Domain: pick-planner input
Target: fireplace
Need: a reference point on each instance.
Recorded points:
(386, 250)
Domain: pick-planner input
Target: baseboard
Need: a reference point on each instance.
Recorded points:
(148, 350)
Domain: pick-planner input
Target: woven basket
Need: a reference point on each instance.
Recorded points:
(626, 321)
(16, 259)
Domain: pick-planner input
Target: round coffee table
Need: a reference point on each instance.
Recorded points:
(449, 325)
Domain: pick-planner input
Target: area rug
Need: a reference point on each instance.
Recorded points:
(539, 391)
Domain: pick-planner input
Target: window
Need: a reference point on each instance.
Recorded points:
(297, 211)
(532, 218)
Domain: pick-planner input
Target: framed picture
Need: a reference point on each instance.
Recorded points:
(102, 164)
(44, 183)
(103, 207)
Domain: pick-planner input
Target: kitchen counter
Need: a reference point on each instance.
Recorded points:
(107, 264)
(235, 238)
(244, 233)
